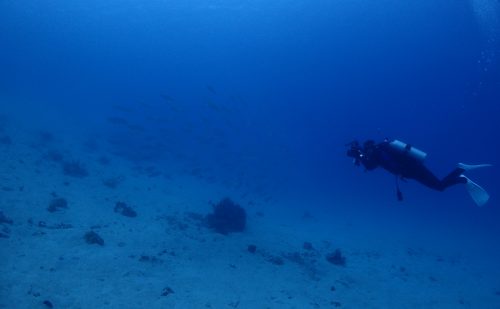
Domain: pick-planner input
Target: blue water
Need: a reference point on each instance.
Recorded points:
(262, 96)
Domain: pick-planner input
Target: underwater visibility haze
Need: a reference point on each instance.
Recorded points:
(192, 154)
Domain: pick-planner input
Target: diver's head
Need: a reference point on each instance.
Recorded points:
(355, 151)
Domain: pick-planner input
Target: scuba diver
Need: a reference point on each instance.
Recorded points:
(407, 162)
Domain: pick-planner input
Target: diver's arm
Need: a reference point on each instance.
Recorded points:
(369, 164)
(370, 160)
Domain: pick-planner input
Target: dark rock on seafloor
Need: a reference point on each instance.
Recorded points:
(113, 182)
(166, 291)
(227, 217)
(336, 258)
(74, 169)
(57, 204)
(252, 248)
(150, 259)
(55, 226)
(4, 218)
(125, 210)
(276, 260)
(307, 246)
(93, 238)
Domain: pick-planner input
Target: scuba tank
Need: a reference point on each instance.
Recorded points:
(408, 149)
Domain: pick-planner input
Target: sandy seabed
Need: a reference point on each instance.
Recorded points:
(166, 257)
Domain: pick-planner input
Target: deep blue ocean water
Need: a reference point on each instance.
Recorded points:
(262, 96)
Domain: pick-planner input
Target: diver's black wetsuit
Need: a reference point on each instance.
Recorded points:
(402, 165)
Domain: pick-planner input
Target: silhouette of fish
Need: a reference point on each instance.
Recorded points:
(122, 108)
(117, 120)
(167, 98)
(211, 89)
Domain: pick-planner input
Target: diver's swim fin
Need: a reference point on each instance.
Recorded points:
(470, 167)
(478, 194)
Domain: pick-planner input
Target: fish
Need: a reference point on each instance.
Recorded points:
(167, 98)
(117, 120)
(122, 108)
(211, 89)
(213, 106)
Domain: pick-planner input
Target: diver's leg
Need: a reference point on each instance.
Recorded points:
(423, 175)
(426, 177)
(453, 178)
